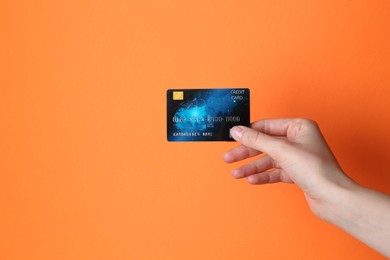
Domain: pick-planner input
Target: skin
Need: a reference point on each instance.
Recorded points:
(295, 151)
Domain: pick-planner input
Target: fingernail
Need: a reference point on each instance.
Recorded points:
(237, 174)
(237, 131)
(251, 179)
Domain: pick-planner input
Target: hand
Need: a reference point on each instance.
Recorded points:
(295, 152)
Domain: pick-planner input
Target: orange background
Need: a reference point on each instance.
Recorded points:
(86, 171)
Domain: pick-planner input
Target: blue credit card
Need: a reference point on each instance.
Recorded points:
(205, 114)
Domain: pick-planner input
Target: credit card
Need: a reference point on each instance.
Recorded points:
(206, 114)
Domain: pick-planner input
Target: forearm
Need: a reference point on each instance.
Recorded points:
(365, 214)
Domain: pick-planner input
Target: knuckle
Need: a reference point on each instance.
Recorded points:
(306, 122)
(300, 125)
(249, 136)
(256, 137)
(252, 138)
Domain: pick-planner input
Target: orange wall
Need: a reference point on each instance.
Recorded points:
(85, 168)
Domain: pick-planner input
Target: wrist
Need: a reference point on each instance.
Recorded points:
(363, 213)
(330, 201)
(339, 202)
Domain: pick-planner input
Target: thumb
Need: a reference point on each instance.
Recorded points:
(258, 140)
